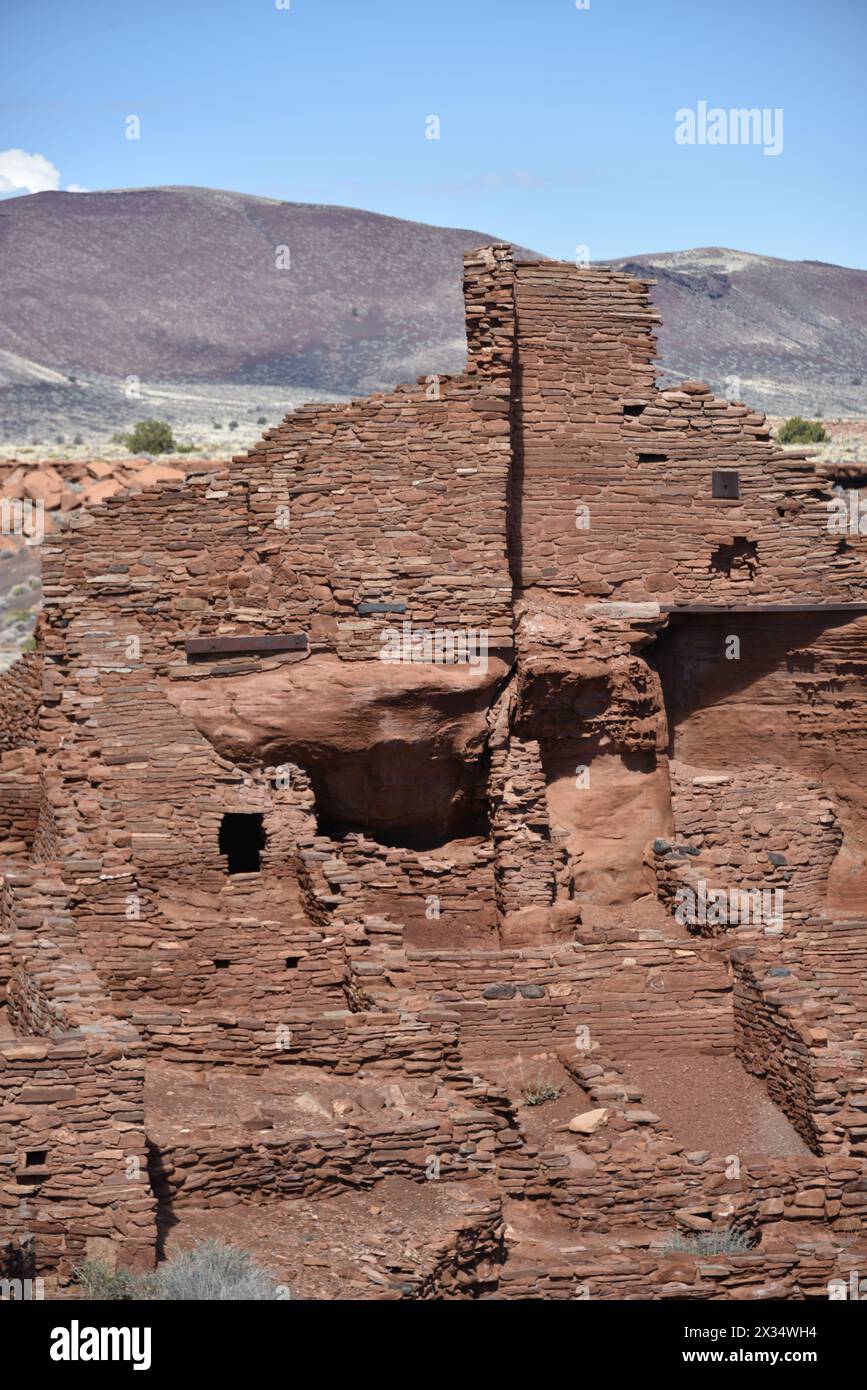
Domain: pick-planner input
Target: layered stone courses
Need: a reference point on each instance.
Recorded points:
(372, 978)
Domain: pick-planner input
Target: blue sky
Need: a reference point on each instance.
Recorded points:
(556, 123)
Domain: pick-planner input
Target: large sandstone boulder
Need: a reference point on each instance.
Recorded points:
(396, 750)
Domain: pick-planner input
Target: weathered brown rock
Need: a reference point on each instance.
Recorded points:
(294, 922)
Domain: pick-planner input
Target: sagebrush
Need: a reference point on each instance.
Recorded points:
(538, 1092)
(211, 1272)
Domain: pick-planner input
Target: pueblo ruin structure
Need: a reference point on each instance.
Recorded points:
(435, 843)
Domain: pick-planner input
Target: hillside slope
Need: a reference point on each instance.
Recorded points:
(176, 286)
(793, 333)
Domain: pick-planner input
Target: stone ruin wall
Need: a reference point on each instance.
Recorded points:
(453, 501)
(597, 434)
(72, 1141)
(20, 697)
(794, 701)
(20, 791)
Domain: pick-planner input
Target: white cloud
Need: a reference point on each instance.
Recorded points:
(21, 172)
(76, 188)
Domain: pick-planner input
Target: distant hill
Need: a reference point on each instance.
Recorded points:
(181, 285)
(793, 332)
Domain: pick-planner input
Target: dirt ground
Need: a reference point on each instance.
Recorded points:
(544, 1123)
(356, 1245)
(713, 1103)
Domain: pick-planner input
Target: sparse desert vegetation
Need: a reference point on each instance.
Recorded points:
(150, 437)
(797, 430)
(211, 1271)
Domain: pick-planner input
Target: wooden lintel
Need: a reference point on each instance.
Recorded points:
(251, 642)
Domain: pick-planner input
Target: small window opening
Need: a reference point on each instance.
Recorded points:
(242, 839)
(653, 458)
(726, 483)
(35, 1158)
(221, 965)
(292, 962)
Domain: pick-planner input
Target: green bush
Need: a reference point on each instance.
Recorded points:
(150, 437)
(798, 431)
(725, 1241)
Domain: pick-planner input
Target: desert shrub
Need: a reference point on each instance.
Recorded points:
(102, 1283)
(210, 1272)
(262, 420)
(799, 431)
(214, 1272)
(538, 1092)
(725, 1241)
(150, 437)
(233, 424)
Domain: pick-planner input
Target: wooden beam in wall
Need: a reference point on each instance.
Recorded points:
(251, 642)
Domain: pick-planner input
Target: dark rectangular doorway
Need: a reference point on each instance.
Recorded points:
(242, 839)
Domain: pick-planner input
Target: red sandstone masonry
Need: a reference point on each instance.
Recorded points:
(457, 499)
(20, 697)
(73, 1167)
